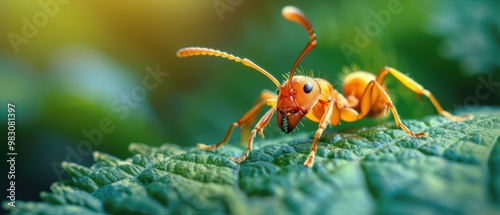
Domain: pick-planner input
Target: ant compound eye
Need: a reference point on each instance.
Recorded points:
(277, 91)
(308, 87)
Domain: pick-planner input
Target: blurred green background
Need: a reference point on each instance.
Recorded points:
(77, 67)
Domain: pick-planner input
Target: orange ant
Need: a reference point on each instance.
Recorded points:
(315, 98)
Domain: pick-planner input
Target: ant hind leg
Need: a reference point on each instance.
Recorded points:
(373, 92)
(417, 88)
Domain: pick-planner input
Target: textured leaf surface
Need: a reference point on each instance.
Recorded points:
(456, 170)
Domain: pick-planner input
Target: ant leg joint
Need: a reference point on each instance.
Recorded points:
(242, 158)
(203, 146)
(310, 159)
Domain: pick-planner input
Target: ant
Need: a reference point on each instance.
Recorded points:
(315, 98)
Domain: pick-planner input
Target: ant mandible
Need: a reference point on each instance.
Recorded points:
(315, 98)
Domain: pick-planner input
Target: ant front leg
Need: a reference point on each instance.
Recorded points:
(266, 98)
(417, 88)
(258, 128)
(325, 120)
(245, 127)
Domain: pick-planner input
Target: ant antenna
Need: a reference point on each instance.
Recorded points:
(193, 51)
(292, 13)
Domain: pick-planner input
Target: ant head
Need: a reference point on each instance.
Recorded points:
(295, 102)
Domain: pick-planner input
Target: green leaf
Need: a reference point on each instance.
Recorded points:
(456, 170)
